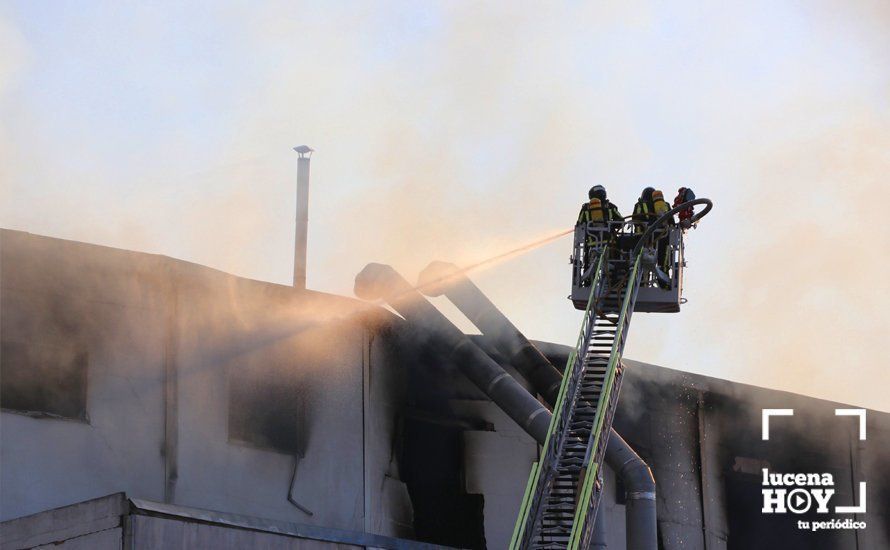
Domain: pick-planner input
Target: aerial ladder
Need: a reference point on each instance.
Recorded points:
(632, 267)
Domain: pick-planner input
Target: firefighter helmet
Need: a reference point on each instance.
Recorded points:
(598, 192)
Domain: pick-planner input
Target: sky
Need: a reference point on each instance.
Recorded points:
(457, 130)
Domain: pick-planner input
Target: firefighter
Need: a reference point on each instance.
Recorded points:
(643, 210)
(684, 194)
(651, 206)
(600, 211)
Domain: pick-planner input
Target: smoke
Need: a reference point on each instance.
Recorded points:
(798, 301)
(810, 296)
(456, 132)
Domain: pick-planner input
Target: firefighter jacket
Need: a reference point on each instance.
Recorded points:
(598, 211)
(649, 211)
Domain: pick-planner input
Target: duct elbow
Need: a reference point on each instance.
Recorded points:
(642, 527)
(632, 469)
(639, 480)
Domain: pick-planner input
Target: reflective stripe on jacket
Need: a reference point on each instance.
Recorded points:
(646, 212)
(596, 211)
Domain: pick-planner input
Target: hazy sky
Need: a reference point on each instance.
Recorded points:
(457, 130)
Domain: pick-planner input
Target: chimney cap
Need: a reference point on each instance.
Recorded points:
(304, 150)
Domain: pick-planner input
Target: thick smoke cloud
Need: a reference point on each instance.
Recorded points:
(458, 131)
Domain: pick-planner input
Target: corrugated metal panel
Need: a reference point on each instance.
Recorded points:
(149, 533)
(353, 538)
(110, 539)
(64, 523)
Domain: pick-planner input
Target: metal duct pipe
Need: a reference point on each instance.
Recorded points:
(301, 233)
(381, 281)
(641, 528)
(444, 278)
(599, 540)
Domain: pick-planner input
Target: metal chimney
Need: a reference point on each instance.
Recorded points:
(302, 226)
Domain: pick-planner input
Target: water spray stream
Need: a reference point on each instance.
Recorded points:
(273, 329)
(491, 261)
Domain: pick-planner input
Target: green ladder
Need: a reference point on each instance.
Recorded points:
(565, 485)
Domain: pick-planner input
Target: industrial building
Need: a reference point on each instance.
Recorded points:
(193, 403)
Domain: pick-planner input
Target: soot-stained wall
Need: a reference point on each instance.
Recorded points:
(182, 362)
(702, 437)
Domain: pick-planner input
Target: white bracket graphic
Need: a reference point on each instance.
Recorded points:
(854, 509)
(766, 413)
(854, 412)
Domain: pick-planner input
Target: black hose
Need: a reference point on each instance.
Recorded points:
(668, 216)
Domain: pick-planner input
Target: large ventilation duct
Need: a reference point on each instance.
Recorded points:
(378, 281)
(444, 278)
(599, 541)
(641, 527)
